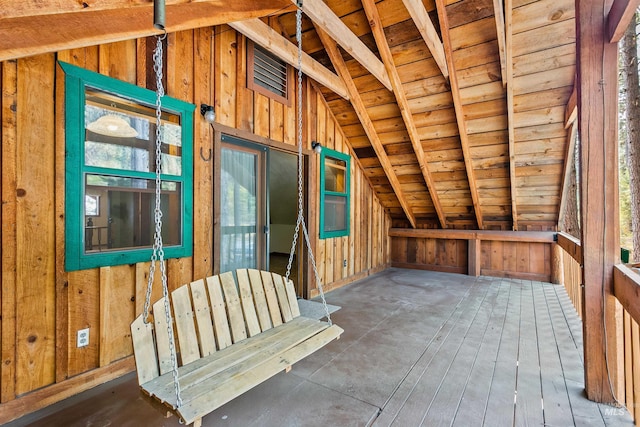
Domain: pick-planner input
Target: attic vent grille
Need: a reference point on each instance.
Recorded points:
(270, 75)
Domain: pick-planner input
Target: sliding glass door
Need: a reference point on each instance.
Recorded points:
(242, 207)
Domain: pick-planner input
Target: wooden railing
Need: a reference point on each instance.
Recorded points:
(572, 269)
(626, 289)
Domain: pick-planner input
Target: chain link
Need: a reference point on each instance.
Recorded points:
(300, 220)
(158, 249)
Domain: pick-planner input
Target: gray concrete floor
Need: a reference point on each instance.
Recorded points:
(419, 348)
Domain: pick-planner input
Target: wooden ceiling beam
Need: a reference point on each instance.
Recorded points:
(619, 18)
(324, 18)
(358, 105)
(498, 11)
(457, 103)
(428, 31)
(508, 27)
(29, 30)
(371, 11)
(269, 38)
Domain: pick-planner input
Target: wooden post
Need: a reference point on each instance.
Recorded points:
(473, 259)
(557, 267)
(597, 103)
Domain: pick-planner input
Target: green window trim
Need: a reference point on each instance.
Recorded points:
(325, 194)
(77, 80)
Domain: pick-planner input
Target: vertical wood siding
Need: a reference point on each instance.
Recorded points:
(42, 305)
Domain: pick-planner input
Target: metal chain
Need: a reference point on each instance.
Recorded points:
(158, 249)
(300, 220)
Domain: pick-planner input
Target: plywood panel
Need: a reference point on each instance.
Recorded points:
(35, 235)
(225, 81)
(83, 312)
(203, 151)
(9, 147)
(117, 311)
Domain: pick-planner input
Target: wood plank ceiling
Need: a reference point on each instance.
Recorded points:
(459, 115)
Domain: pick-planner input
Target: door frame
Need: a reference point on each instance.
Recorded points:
(304, 279)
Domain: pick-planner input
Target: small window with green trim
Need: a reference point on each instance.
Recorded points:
(110, 129)
(334, 193)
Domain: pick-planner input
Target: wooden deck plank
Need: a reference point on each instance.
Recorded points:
(417, 404)
(556, 405)
(500, 406)
(394, 405)
(528, 409)
(583, 411)
(445, 404)
(476, 394)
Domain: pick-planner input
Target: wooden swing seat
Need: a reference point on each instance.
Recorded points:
(230, 337)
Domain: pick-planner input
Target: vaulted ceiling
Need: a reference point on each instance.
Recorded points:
(460, 112)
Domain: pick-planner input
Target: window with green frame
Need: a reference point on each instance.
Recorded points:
(334, 193)
(110, 129)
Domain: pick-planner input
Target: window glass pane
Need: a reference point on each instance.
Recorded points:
(125, 217)
(334, 175)
(335, 213)
(239, 216)
(120, 134)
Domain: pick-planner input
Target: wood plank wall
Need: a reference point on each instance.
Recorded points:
(522, 259)
(42, 306)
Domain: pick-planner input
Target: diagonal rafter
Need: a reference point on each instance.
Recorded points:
(457, 104)
(358, 105)
(387, 58)
(510, 111)
(268, 38)
(324, 18)
(498, 12)
(570, 118)
(428, 31)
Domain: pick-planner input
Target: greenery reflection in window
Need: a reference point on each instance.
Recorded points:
(334, 194)
(110, 172)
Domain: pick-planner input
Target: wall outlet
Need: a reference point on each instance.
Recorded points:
(344, 263)
(83, 337)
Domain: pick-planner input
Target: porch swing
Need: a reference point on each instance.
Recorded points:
(233, 333)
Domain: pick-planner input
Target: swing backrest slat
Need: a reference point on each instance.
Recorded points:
(260, 299)
(248, 307)
(162, 337)
(203, 318)
(220, 324)
(272, 299)
(234, 308)
(185, 325)
(283, 299)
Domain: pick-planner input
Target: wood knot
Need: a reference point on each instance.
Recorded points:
(557, 15)
(21, 192)
(32, 338)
